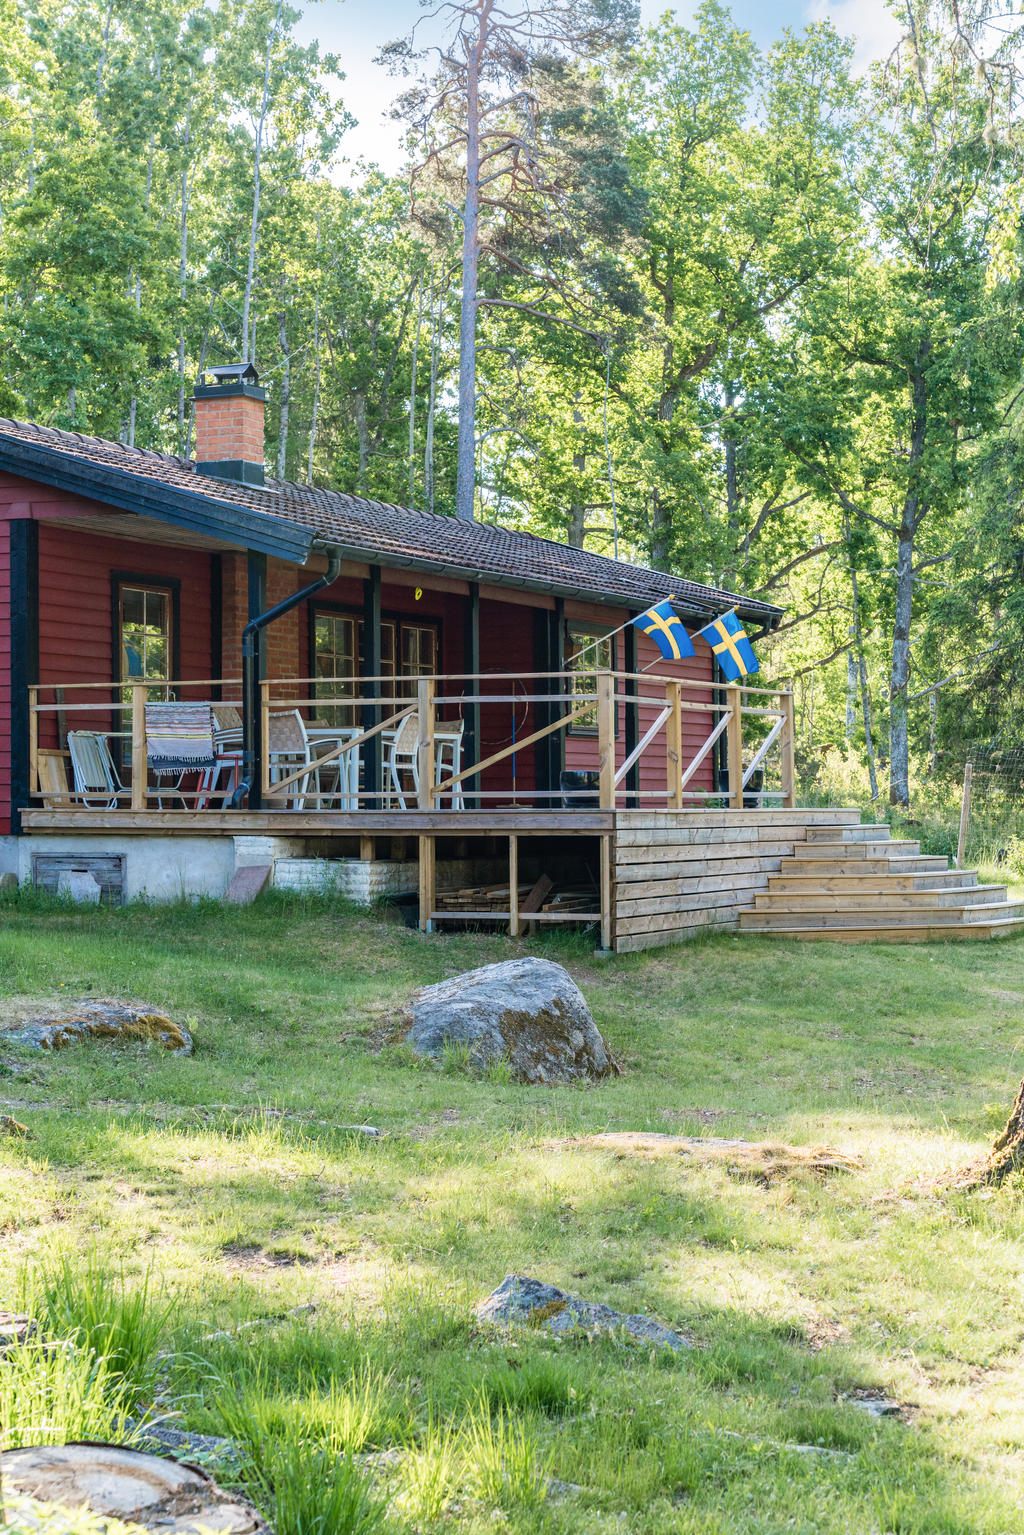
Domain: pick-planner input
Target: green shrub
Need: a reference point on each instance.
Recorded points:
(80, 1300)
(302, 1471)
(51, 1393)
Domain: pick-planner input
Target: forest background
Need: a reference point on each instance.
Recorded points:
(740, 313)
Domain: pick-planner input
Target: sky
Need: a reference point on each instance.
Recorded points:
(356, 29)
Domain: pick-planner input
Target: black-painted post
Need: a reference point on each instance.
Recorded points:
(372, 605)
(252, 714)
(471, 664)
(24, 554)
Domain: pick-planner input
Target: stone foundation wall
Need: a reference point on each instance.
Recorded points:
(365, 880)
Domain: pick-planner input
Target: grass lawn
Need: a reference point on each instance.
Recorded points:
(228, 1180)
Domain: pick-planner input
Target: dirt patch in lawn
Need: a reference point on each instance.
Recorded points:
(761, 1161)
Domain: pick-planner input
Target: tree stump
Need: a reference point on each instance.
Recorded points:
(1006, 1156)
(150, 1491)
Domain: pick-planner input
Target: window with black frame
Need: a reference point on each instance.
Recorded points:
(587, 649)
(145, 638)
(335, 665)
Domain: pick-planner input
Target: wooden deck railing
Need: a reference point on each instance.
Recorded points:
(637, 743)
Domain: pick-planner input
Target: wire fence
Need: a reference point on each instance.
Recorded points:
(991, 823)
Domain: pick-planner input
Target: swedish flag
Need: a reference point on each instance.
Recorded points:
(666, 630)
(728, 640)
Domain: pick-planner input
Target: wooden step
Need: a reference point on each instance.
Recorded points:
(858, 850)
(938, 879)
(866, 900)
(970, 931)
(865, 833)
(883, 917)
(922, 863)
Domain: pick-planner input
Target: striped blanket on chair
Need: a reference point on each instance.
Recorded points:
(179, 737)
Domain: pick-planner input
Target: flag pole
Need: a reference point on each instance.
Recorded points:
(710, 621)
(613, 632)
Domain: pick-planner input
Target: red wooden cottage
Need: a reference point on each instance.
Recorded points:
(209, 676)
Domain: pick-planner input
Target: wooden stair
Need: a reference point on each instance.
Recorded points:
(854, 884)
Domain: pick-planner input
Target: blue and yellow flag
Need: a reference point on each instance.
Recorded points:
(728, 640)
(666, 630)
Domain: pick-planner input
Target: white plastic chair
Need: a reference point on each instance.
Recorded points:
(96, 782)
(448, 758)
(288, 750)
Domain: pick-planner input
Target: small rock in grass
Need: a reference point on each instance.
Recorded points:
(532, 1303)
(160, 1436)
(874, 1406)
(528, 1014)
(370, 1131)
(120, 1023)
(557, 1489)
(15, 1328)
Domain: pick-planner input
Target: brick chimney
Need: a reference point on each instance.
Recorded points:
(229, 423)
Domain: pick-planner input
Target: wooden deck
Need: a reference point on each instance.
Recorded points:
(664, 875)
(323, 823)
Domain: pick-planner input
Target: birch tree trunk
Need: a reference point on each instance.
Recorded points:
(286, 396)
(851, 695)
(914, 512)
(465, 475)
(362, 437)
(899, 676)
(102, 62)
(316, 388)
(254, 226)
(412, 399)
(428, 447)
(865, 697)
(186, 194)
(577, 508)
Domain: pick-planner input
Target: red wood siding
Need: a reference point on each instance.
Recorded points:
(506, 645)
(5, 678)
(581, 751)
(76, 573)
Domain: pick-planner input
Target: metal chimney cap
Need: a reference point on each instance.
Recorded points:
(234, 373)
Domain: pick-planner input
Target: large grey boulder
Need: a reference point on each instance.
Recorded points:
(532, 1303)
(527, 1012)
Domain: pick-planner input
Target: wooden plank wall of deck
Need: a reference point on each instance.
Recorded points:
(677, 873)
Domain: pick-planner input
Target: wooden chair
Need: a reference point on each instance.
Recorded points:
(96, 781)
(52, 773)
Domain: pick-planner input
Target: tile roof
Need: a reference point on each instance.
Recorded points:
(389, 535)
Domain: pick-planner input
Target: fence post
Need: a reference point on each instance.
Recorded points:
(965, 815)
(425, 743)
(734, 744)
(606, 738)
(265, 741)
(674, 745)
(33, 741)
(513, 885)
(788, 752)
(140, 757)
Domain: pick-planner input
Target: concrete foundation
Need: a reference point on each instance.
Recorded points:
(188, 868)
(155, 868)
